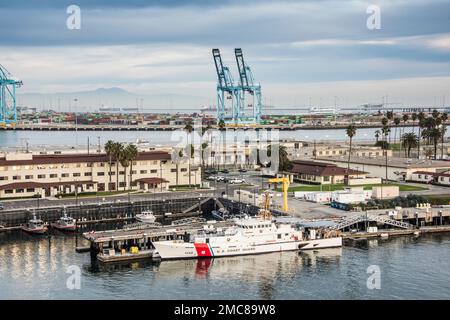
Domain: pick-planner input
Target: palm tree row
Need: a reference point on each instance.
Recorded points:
(123, 155)
(431, 130)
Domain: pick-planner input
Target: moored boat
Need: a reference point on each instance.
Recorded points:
(35, 226)
(65, 223)
(247, 236)
(146, 217)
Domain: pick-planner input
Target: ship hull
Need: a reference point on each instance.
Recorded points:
(64, 228)
(34, 231)
(186, 250)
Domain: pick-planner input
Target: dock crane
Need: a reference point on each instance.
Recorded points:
(247, 85)
(228, 90)
(285, 187)
(8, 85)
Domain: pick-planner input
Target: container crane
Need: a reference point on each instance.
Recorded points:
(248, 85)
(227, 90)
(8, 85)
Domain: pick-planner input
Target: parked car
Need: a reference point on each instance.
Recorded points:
(242, 170)
(211, 178)
(225, 171)
(236, 181)
(220, 178)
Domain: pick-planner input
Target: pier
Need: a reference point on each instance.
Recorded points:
(90, 214)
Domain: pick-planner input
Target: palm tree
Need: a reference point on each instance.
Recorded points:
(396, 122)
(132, 153)
(384, 123)
(409, 140)
(405, 119)
(435, 114)
(444, 118)
(124, 162)
(377, 136)
(386, 130)
(109, 147)
(351, 131)
(204, 147)
(116, 152)
(180, 156)
(435, 135)
(188, 128)
(421, 117)
(414, 118)
(284, 163)
(389, 115)
(221, 124)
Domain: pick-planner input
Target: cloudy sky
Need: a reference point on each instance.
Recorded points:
(300, 51)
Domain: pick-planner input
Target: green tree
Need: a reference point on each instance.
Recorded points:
(116, 152)
(396, 122)
(409, 140)
(221, 124)
(421, 118)
(132, 153)
(284, 164)
(444, 118)
(350, 131)
(389, 115)
(109, 147)
(377, 136)
(189, 128)
(386, 131)
(124, 160)
(414, 118)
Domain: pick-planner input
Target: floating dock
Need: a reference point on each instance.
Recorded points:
(124, 245)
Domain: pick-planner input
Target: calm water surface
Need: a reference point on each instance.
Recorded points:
(18, 139)
(411, 268)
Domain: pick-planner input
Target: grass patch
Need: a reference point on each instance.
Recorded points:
(336, 187)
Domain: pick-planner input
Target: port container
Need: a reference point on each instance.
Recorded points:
(385, 192)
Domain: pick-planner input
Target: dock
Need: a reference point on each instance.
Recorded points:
(125, 245)
(394, 232)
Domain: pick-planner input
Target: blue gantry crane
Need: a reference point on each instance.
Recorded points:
(232, 105)
(8, 108)
(248, 86)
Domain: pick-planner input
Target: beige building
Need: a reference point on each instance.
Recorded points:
(299, 150)
(398, 169)
(313, 172)
(28, 174)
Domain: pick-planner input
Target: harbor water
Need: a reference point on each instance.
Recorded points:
(45, 139)
(409, 268)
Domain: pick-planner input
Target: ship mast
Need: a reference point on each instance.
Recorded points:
(264, 211)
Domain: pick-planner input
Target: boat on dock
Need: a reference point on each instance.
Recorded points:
(111, 255)
(35, 226)
(248, 235)
(146, 216)
(65, 223)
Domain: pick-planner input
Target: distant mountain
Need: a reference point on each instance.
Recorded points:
(112, 97)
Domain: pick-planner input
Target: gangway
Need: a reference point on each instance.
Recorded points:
(347, 222)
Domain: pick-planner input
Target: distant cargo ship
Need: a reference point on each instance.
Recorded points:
(117, 110)
(317, 110)
(214, 108)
